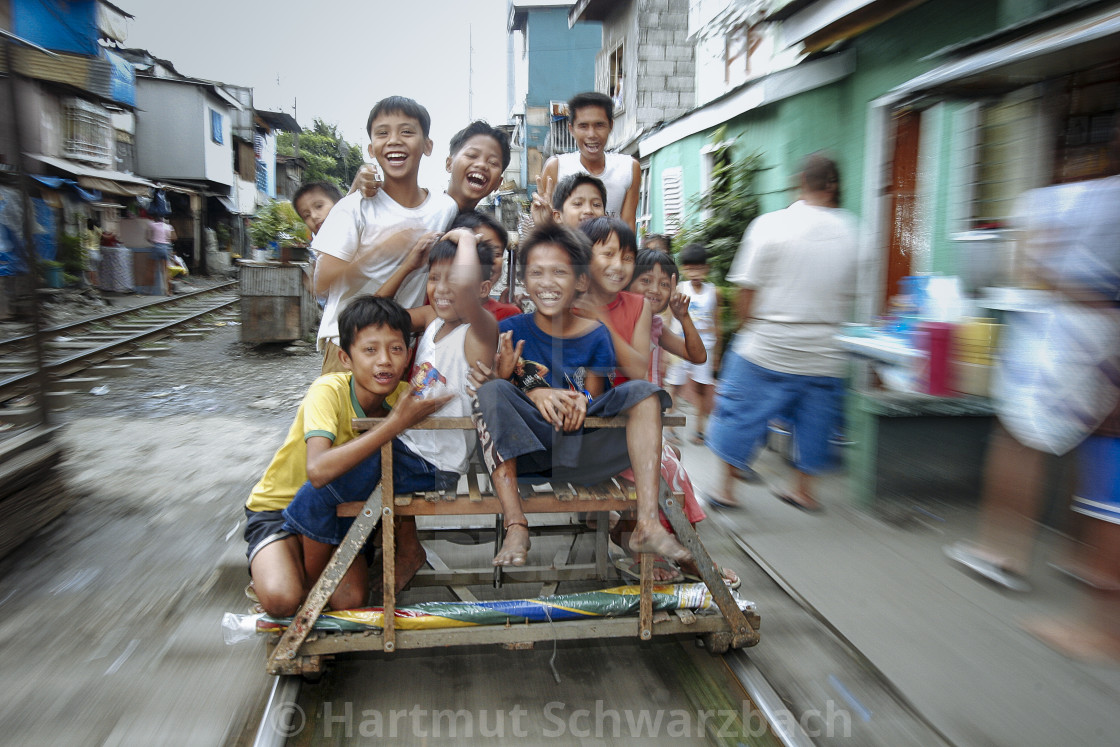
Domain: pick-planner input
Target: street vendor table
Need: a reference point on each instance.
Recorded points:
(115, 272)
(911, 445)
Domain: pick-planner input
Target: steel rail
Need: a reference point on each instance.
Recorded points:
(279, 720)
(169, 303)
(94, 355)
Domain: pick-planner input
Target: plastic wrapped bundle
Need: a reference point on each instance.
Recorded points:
(615, 602)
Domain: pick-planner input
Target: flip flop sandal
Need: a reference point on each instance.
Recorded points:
(730, 577)
(632, 569)
(697, 439)
(715, 502)
(787, 498)
(961, 554)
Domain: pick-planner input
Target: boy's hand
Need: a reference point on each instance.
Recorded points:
(505, 359)
(412, 408)
(417, 257)
(582, 307)
(541, 208)
(555, 406)
(367, 180)
(576, 412)
(678, 302)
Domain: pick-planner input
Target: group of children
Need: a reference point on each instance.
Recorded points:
(589, 348)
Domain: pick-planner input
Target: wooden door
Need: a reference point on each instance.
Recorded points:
(903, 199)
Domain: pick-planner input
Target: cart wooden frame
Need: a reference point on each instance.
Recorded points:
(300, 650)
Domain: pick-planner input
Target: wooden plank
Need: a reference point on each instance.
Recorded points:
(472, 487)
(465, 423)
(645, 603)
(388, 548)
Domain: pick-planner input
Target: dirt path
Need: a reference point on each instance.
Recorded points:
(110, 618)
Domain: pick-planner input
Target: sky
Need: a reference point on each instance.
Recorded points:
(334, 60)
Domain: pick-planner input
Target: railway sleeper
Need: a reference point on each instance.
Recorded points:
(299, 650)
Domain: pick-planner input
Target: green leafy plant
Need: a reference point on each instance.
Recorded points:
(329, 157)
(277, 221)
(721, 214)
(71, 254)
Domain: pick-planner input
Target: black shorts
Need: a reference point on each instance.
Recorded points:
(263, 528)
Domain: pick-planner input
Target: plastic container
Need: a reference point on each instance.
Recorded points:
(937, 343)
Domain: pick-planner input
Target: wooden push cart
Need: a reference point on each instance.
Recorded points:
(299, 650)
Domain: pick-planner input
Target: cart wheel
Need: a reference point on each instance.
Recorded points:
(717, 643)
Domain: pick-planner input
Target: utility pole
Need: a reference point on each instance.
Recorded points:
(295, 135)
(470, 73)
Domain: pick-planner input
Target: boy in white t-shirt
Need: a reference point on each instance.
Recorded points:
(703, 307)
(364, 240)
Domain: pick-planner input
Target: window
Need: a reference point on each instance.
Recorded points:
(614, 76)
(560, 140)
(262, 176)
(87, 134)
(216, 126)
(672, 198)
(738, 45)
(126, 152)
(644, 210)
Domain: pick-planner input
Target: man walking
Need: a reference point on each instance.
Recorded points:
(797, 272)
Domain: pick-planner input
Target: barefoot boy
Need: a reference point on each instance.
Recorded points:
(322, 452)
(539, 432)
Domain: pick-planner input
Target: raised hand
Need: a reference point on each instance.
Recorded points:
(367, 180)
(541, 208)
(417, 257)
(678, 302)
(412, 408)
(505, 360)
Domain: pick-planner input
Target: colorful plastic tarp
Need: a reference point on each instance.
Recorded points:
(615, 602)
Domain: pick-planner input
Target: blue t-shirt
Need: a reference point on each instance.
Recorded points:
(568, 359)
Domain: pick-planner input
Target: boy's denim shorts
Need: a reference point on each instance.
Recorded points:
(748, 397)
(312, 511)
(510, 427)
(1098, 490)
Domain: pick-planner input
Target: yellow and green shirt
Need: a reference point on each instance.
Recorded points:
(327, 410)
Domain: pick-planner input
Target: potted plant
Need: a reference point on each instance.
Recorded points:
(52, 273)
(277, 223)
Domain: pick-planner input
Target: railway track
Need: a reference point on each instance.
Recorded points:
(104, 345)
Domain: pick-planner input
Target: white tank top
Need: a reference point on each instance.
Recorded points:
(702, 308)
(617, 176)
(441, 367)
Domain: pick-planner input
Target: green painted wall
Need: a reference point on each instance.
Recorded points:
(834, 117)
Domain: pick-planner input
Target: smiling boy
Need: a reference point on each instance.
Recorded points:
(535, 428)
(590, 121)
(364, 240)
(323, 453)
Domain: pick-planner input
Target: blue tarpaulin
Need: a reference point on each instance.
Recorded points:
(122, 80)
(58, 182)
(64, 27)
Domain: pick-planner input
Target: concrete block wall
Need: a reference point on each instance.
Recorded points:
(665, 59)
(658, 64)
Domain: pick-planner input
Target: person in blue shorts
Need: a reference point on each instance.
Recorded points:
(797, 272)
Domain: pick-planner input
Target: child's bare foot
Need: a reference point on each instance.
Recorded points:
(650, 536)
(1076, 640)
(515, 548)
